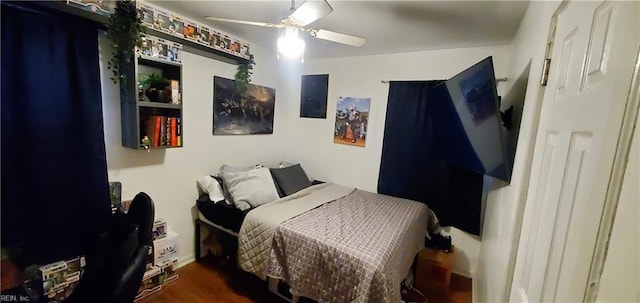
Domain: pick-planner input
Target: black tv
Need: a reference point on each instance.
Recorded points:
(467, 125)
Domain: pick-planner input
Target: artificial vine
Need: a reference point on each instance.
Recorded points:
(243, 76)
(125, 32)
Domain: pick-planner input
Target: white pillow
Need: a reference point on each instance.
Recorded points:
(210, 186)
(250, 188)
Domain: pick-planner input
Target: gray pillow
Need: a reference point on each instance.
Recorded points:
(250, 188)
(290, 179)
(234, 169)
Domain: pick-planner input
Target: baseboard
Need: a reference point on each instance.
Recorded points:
(186, 260)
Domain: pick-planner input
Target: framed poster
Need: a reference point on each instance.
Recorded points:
(352, 119)
(313, 96)
(234, 115)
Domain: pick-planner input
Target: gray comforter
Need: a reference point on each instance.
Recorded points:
(357, 248)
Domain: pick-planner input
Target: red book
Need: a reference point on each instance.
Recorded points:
(150, 128)
(167, 139)
(179, 130)
(174, 132)
(156, 136)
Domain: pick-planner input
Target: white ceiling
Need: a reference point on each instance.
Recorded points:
(389, 26)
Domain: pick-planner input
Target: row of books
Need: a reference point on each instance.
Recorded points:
(163, 131)
(171, 23)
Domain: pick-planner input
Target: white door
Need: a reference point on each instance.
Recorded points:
(594, 50)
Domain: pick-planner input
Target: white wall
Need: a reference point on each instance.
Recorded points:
(621, 273)
(312, 139)
(169, 176)
(505, 204)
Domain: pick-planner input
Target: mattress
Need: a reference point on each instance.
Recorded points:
(335, 244)
(221, 213)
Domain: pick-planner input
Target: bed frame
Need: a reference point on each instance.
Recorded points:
(276, 286)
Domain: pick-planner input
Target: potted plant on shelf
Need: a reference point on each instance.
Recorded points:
(125, 32)
(154, 87)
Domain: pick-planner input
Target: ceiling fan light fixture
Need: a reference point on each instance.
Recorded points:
(290, 45)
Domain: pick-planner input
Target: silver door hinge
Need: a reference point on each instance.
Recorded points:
(545, 72)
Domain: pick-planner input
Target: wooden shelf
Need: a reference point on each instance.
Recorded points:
(150, 60)
(159, 105)
(162, 147)
(136, 113)
(188, 45)
(197, 48)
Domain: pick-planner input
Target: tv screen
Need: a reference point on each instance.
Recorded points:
(466, 122)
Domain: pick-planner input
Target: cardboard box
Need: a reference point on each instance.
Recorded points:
(102, 7)
(159, 229)
(59, 279)
(165, 249)
(433, 270)
(151, 283)
(149, 259)
(168, 269)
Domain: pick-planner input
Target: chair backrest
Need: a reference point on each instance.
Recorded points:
(142, 213)
(127, 287)
(116, 265)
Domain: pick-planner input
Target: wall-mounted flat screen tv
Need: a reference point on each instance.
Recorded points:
(466, 121)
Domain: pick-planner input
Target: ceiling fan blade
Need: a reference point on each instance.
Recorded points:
(337, 37)
(310, 11)
(243, 22)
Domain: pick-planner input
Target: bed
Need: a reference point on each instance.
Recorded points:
(220, 214)
(332, 243)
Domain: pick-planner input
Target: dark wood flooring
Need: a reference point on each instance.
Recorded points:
(212, 281)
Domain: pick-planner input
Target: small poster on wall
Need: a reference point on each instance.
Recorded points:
(352, 118)
(313, 96)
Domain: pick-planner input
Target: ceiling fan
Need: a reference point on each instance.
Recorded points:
(308, 12)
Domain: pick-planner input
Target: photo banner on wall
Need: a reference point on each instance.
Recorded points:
(234, 115)
(313, 96)
(352, 118)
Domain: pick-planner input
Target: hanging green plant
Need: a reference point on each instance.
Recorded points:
(125, 32)
(243, 76)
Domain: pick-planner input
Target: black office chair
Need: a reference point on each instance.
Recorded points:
(142, 212)
(116, 265)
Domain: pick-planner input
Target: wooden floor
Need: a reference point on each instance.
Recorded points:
(211, 281)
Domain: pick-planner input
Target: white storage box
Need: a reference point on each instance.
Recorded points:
(166, 248)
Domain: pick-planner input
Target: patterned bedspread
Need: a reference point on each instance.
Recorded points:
(355, 249)
(259, 226)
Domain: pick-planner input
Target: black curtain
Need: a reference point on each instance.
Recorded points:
(55, 195)
(410, 167)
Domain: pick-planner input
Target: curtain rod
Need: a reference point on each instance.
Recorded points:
(503, 79)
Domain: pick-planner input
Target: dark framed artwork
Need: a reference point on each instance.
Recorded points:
(235, 115)
(313, 96)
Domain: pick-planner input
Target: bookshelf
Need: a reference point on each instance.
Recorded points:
(156, 114)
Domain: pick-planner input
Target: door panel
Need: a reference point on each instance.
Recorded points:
(594, 49)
